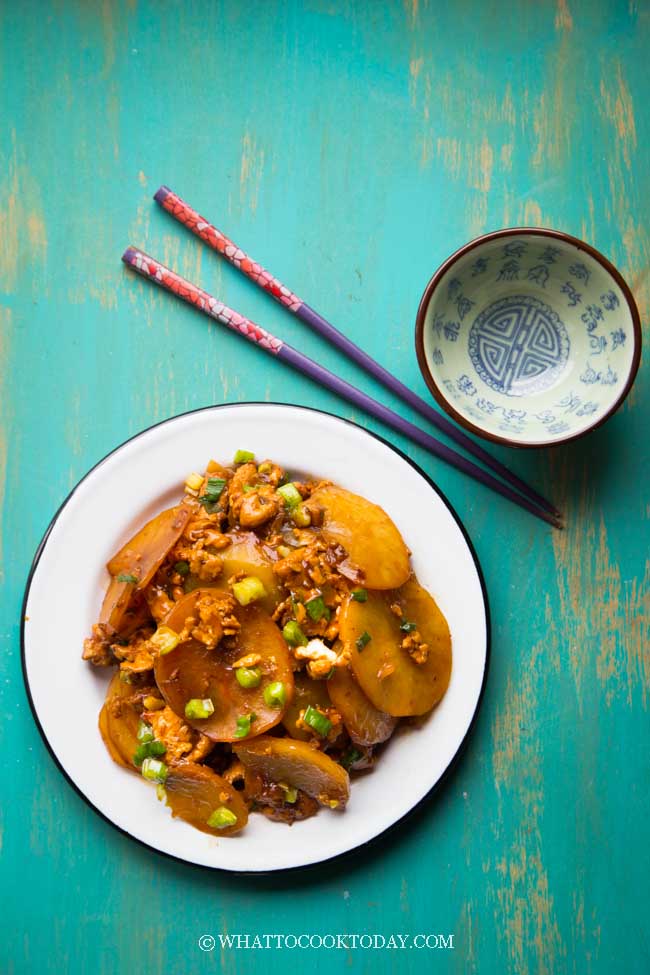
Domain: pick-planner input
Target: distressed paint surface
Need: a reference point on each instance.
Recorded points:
(350, 147)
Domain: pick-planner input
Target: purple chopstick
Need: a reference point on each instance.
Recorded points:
(150, 268)
(218, 241)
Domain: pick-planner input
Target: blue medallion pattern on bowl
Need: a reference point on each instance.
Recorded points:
(518, 345)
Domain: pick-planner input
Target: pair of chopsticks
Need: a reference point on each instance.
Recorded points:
(525, 496)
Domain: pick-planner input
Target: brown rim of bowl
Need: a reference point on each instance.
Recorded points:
(514, 232)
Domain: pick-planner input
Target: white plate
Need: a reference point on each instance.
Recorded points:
(144, 475)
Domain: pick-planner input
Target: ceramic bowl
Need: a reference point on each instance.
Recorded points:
(528, 337)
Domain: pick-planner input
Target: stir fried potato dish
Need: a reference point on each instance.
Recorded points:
(267, 635)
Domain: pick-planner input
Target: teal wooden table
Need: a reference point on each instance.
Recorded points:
(351, 147)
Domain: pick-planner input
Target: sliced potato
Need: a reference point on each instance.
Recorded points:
(386, 673)
(192, 670)
(143, 554)
(307, 691)
(118, 721)
(116, 604)
(365, 724)
(246, 554)
(194, 792)
(297, 764)
(367, 534)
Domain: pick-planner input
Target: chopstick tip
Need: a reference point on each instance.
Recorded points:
(161, 194)
(129, 255)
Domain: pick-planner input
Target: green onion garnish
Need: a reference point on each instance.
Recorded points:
(221, 818)
(275, 695)
(316, 609)
(244, 725)
(363, 640)
(213, 491)
(317, 721)
(145, 732)
(265, 468)
(349, 757)
(183, 568)
(360, 595)
(290, 793)
(148, 749)
(248, 676)
(300, 516)
(291, 494)
(249, 487)
(243, 456)
(294, 635)
(196, 709)
(154, 770)
(408, 627)
(127, 577)
(248, 590)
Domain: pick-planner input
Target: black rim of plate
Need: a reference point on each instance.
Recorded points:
(393, 826)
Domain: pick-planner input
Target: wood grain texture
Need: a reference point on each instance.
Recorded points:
(350, 147)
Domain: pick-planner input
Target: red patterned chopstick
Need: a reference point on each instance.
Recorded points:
(218, 241)
(152, 269)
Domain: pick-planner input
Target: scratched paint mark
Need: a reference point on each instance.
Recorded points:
(618, 609)
(521, 884)
(23, 239)
(415, 69)
(449, 151)
(563, 18)
(5, 413)
(108, 31)
(412, 8)
(618, 108)
(250, 171)
(142, 179)
(505, 155)
(481, 163)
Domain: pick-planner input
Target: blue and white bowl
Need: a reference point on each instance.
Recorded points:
(528, 337)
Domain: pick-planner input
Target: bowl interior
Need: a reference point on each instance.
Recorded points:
(529, 338)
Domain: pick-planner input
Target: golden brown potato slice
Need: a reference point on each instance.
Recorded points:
(386, 673)
(297, 764)
(116, 603)
(246, 554)
(143, 554)
(195, 792)
(365, 724)
(118, 721)
(192, 671)
(307, 691)
(367, 534)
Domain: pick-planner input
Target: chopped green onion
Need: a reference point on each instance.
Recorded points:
(243, 456)
(196, 709)
(248, 676)
(127, 577)
(153, 770)
(160, 792)
(209, 505)
(349, 757)
(316, 609)
(265, 468)
(221, 818)
(291, 494)
(214, 487)
(290, 793)
(125, 677)
(360, 595)
(248, 590)
(249, 487)
(275, 695)
(318, 721)
(244, 725)
(148, 749)
(408, 627)
(182, 567)
(294, 635)
(145, 732)
(300, 516)
(363, 640)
